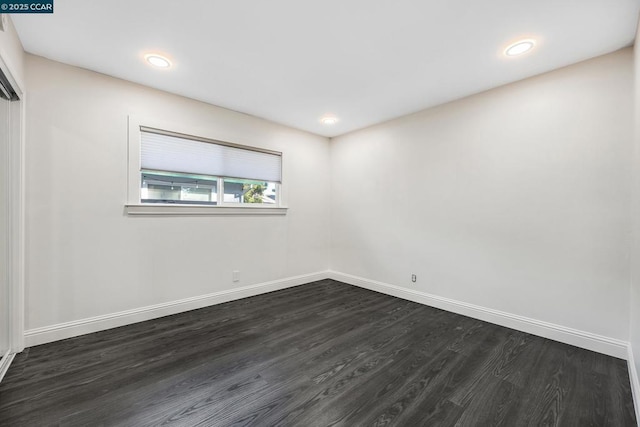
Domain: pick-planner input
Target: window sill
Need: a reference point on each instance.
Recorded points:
(180, 210)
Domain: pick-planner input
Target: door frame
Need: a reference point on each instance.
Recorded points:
(14, 164)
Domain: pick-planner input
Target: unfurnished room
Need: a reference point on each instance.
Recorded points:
(339, 213)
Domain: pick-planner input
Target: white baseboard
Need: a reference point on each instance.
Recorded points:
(99, 323)
(5, 363)
(587, 340)
(594, 342)
(635, 382)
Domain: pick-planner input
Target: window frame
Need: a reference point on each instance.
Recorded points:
(134, 205)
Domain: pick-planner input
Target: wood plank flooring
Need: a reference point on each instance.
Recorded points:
(321, 354)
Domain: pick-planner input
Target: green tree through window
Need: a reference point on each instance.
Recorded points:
(253, 193)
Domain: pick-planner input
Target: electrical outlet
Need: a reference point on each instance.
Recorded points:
(236, 276)
(414, 278)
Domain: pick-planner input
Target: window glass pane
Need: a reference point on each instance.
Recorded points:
(248, 191)
(164, 187)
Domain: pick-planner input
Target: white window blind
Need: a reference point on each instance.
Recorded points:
(171, 153)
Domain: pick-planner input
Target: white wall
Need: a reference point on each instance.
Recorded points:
(86, 258)
(516, 199)
(634, 336)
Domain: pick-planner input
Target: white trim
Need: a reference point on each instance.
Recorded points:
(610, 346)
(15, 195)
(166, 209)
(599, 343)
(5, 363)
(74, 328)
(635, 383)
(16, 221)
(8, 67)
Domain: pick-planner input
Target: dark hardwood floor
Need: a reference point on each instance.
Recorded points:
(321, 354)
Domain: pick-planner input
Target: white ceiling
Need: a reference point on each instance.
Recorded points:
(292, 61)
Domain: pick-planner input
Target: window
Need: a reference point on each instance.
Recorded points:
(247, 191)
(179, 170)
(171, 187)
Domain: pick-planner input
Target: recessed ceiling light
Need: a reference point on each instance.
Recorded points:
(157, 60)
(520, 47)
(329, 120)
